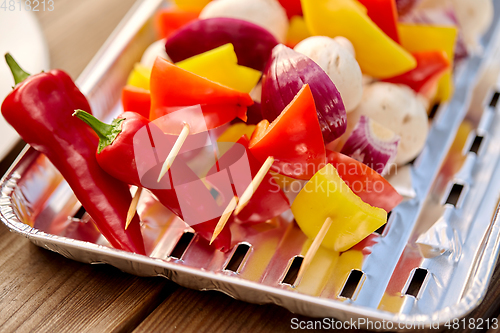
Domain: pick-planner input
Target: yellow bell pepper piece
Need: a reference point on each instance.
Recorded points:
(235, 132)
(297, 31)
(327, 195)
(221, 65)
(194, 5)
(377, 54)
(417, 38)
(139, 77)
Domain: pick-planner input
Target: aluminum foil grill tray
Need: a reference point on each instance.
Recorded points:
(431, 263)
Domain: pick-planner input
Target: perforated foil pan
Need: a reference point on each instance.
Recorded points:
(450, 215)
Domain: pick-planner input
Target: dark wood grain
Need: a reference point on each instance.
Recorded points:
(43, 291)
(210, 311)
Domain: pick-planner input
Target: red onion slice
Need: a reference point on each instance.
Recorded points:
(285, 74)
(372, 144)
(252, 44)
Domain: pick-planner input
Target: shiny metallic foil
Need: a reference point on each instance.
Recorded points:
(431, 263)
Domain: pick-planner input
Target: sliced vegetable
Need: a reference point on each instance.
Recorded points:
(423, 79)
(418, 38)
(221, 65)
(267, 202)
(285, 76)
(384, 14)
(137, 100)
(365, 182)
(371, 144)
(139, 77)
(297, 31)
(196, 5)
(378, 55)
(327, 195)
(292, 8)
(168, 20)
(399, 109)
(252, 44)
(340, 65)
(293, 139)
(235, 132)
(267, 14)
(173, 87)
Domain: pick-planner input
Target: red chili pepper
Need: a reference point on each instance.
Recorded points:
(173, 87)
(116, 155)
(40, 110)
(383, 13)
(268, 201)
(294, 139)
(423, 79)
(168, 20)
(137, 100)
(365, 182)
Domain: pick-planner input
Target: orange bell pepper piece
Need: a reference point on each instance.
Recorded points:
(173, 87)
(169, 20)
(137, 100)
(294, 139)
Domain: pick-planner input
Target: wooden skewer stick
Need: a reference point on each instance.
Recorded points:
(133, 207)
(250, 190)
(313, 249)
(175, 151)
(224, 217)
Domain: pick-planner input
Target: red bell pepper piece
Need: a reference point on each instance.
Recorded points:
(292, 7)
(268, 201)
(365, 182)
(137, 100)
(431, 65)
(117, 157)
(168, 20)
(173, 87)
(40, 110)
(383, 13)
(294, 139)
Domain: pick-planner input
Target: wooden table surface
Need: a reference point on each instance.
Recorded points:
(44, 292)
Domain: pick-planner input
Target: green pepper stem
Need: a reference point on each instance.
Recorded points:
(19, 74)
(106, 133)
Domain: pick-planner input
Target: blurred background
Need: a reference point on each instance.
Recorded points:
(66, 37)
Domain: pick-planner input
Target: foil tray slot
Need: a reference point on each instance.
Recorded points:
(434, 111)
(182, 245)
(475, 145)
(415, 283)
(351, 284)
(382, 228)
(235, 263)
(292, 271)
(79, 213)
(455, 195)
(494, 99)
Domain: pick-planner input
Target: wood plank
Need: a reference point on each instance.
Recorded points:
(43, 291)
(210, 311)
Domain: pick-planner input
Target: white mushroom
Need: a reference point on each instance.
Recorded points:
(339, 64)
(398, 108)
(157, 49)
(346, 44)
(266, 13)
